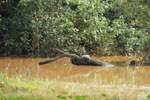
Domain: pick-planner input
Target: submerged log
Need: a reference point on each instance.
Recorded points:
(77, 60)
(132, 63)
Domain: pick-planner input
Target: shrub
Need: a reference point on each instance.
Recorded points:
(90, 26)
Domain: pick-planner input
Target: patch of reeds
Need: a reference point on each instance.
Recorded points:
(18, 87)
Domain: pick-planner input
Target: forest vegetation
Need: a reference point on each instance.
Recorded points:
(96, 27)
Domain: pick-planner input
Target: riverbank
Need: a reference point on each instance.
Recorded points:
(19, 87)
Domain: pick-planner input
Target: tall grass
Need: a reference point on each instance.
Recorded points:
(19, 87)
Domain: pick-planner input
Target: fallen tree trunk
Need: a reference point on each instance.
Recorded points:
(76, 60)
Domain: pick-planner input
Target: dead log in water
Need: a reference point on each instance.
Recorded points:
(76, 60)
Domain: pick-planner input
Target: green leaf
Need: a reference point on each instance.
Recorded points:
(81, 97)
(104, 95)
(148, 97)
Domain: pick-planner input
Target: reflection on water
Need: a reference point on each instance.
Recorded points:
(63, 70)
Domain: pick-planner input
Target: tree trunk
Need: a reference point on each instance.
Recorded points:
(35, 44)
(76, 60)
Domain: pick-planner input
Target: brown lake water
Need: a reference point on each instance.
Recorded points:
(63, 70)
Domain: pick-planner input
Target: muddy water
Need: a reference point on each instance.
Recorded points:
(63, 70)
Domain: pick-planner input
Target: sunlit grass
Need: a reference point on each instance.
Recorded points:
(18, 87)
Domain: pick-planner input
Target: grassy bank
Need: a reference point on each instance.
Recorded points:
(23, 88)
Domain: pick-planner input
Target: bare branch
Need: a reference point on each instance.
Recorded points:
(60, 56)
(77, 60)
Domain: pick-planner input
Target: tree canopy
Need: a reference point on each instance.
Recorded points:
(97, 27)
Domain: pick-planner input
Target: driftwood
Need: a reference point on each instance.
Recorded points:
(76, 60)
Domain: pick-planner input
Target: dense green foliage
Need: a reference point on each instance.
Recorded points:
(102, 27)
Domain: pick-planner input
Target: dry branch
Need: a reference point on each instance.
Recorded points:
(75, 59)
(64, 54)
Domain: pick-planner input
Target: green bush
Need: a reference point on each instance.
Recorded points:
(127, 39)
(90, 26)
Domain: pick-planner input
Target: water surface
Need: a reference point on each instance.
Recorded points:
(63, 70)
